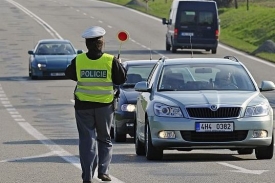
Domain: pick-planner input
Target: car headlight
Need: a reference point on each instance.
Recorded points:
(258, 110)
(41, 65)
(128, 107)
(167, 111)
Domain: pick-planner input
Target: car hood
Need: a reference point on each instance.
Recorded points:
(189, 98)
(130, 95)
(54, 59)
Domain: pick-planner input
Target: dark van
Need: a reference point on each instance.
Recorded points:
(192, 24)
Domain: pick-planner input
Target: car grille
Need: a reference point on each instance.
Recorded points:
(193, 136)
(222, 112)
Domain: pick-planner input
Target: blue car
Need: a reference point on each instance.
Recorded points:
(124, 118)
(50, 58)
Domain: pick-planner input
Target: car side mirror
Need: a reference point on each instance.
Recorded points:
(267, 86)
(142, 86)
(79, 51)
(30, 52)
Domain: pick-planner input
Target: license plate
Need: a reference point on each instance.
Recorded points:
(214, 127)
(187, 34)
(58, 74)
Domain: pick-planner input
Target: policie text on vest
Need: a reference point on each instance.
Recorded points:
(93, 73)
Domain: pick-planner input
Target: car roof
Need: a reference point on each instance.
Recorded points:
(54, 41)
(176, 61)
(139, 62)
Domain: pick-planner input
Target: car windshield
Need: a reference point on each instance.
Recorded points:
(137, 73)
(204, 77)
(55, 49)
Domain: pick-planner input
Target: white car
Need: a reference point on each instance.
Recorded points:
(203, 103)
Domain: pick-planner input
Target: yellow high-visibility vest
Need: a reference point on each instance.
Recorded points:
(94, 78)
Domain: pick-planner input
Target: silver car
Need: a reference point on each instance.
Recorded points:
(203, 103)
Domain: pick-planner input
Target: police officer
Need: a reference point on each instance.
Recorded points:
(95, 73)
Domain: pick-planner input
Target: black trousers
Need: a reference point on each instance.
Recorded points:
(95, 145)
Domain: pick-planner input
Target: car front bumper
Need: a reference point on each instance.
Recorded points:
(48, 72)
(125, 122)
(187, 137)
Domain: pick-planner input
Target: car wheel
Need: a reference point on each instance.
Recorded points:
(112, 132)
(139, 146)
(118, 137)
(214, 51)
(34, 77)
(152, 153)
(245, 151)
(168, 46)
(265, 152)
(174, 49)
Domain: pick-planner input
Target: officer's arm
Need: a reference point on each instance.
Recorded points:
(118, 72)
(70, 71)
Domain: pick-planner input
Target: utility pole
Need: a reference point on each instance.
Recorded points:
(236, 4)
(247, 5)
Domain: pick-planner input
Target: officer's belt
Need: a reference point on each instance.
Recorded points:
(96, 92)
(94, 83)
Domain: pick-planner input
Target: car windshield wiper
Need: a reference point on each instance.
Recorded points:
(166, 90)
(129, 85)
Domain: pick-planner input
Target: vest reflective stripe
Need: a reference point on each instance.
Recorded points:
(99, 92)
(94, 79)
(95, 83)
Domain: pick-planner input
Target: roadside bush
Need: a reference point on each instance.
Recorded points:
(224, 3)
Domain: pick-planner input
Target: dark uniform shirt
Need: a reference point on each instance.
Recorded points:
(118, 78)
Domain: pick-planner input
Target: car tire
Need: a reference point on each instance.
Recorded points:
(174, 49)
(265, 152)
(118, 137)
(167, 46)
(139, 146)
(214, 51)
(152, 153)
(112, 132)
(34, 77)
(245, 151)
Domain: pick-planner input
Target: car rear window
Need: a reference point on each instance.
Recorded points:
(195, 17)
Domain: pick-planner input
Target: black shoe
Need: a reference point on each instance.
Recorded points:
(87, 181)
(104, 177)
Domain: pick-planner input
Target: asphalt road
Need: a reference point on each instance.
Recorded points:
(38, 137)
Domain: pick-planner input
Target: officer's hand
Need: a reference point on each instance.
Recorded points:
(119, 60)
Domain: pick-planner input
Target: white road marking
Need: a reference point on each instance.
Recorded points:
(46, 26)
(30, 157)
(242, 170)
(16, 116)
(7, 106)
(5, 102)
(2, 99)
(13, 112)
